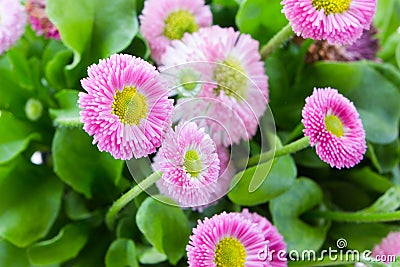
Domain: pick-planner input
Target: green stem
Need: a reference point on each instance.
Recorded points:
(128, 197)
(287, 149)
(276, 41)
(359, 217)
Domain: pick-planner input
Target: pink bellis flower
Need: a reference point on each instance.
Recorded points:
(333, 125)
(167, 20)
(189, 164)
(337, 21)
(125, 107)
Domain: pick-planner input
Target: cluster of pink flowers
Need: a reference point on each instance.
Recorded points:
(223, 92)
(221, 79)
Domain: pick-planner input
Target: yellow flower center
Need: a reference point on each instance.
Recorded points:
(188, 82)
(334, 125)
(129, 106)
(192, 163)
(229, 252)
(332, 6)
(179, 22)
(231, 79)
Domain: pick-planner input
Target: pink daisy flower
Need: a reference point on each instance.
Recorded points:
(226, 240)
(340, 21)
(13, 20)
(276, 246)
(235, 87)
(333, 125)
(226, 173)
(126, 108)
(163, 21)
(388, 249)
(190, 165)
(39, 20)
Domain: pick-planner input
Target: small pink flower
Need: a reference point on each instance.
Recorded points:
(388, 249)
(13, 20)
(189, 165)
(163, 21)
(39, 19)
(225, 240)
(340, 21)
(333, 125)
(234, 92)
(126, 108)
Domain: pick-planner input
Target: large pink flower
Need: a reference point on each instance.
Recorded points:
(189, 165)
(226, 240)
(163, 21)
(275, 252)
(333, 125)
(337, 21)
(126, 107)
(235, 87)
(13, 20)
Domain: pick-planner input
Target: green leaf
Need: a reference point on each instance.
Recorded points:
(223, 15)
(82, 166)
(75, 207)
(21, 69)
(379, 109)
(386, 156)
(165, 227)
(260, 18)
(12, 96)
(114, 27)
(95, 251)
(122, 253)
(12, 256)
(388, 202)
(150, 255)
(68, 114)
(228, 3)
(387, 22)
(74, 20)
(308, 158)
(398, 54)
(55, 69)
(277, 180)
(66, 245)
(286, 210)
(15, 136)
(30, 198)
(94, 26)
(369, 179)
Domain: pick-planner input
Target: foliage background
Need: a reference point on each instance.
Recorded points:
(52, 214)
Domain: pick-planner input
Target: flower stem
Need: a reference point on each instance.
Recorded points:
(287, 149)
(128, 197)
(359, 217)
(276, 41)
